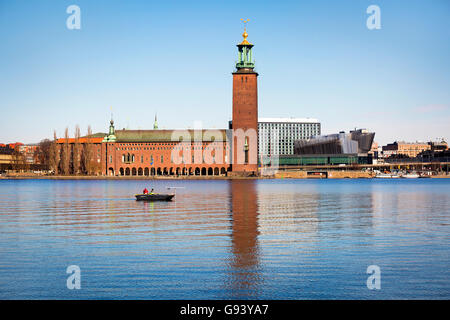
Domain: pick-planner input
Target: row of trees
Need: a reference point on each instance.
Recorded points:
(74, 158)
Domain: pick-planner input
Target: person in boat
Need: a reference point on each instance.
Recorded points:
(145, 191)
(152, 191)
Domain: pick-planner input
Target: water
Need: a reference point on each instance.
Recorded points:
(251, 239)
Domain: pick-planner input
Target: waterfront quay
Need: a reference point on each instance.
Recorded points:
(354, 171)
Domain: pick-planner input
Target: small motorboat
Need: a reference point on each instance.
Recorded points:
(411, 176)
(387, 176)
(154, 197)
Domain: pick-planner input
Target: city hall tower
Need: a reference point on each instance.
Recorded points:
(245, 112)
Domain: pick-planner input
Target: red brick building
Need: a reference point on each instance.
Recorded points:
(165, 152)
(186, 152)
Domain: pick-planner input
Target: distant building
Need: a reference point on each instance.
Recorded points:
(356, 142)
(439, 152)
(333, 149)
(374, 150)
(6, 157)
(409, 149)
(30, 153)
(276, 136)
(16, 156)
(438, 145)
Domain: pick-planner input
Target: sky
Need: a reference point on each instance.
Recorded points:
(315, 59)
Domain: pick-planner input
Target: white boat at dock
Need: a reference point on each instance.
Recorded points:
(411, 176)
(387, 176)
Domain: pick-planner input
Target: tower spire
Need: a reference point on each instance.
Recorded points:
(245, 34)
(111, 124)
(155, 125)
(245, 60)
(111, 135)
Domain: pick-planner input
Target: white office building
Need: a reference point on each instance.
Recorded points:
(277, 135)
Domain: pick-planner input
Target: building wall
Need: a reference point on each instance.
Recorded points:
(96, 155)
(245, 117)
(6, 158)
(30, 153)
(165, 158)
(277, 136)
(410, 149)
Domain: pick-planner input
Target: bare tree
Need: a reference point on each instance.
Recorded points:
(18, 160)
(87, 152)
(76, 151)
(44, 153)
(65, 158)
(54, 155)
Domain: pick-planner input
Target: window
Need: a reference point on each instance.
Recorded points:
(162, 159)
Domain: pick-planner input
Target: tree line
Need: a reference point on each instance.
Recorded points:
(66, 158)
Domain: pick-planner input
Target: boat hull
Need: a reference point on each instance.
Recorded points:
(387, 176)
(154, 197)
(411, 176)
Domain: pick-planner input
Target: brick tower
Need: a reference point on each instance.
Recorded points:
(245, 112)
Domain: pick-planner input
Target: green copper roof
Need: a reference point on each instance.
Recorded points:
(95, 135)
(168, 135)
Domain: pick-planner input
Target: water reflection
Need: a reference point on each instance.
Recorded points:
(244, 274)
(241, 239)
(288, 216)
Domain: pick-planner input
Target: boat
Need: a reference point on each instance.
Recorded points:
(154, 197)
(411, 176)
(387, 176)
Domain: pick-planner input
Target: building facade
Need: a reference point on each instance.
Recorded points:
(409, 149)
(334, 149)
(276, 136)
(165, 152)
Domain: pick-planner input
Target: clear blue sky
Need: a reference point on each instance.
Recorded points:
(315, 59)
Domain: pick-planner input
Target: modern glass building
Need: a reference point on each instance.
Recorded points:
(276, 136)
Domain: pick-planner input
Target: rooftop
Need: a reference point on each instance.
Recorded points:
(168, 135)
(289, 120)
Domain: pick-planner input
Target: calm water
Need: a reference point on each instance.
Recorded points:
(266, 239)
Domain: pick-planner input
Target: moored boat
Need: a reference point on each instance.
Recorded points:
(411, 176)
(154, 197)
(387, 176)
